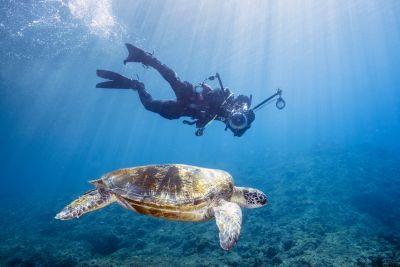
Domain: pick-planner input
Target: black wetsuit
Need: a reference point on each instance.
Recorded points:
(202, 107)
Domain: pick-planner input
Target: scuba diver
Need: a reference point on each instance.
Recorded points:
(200, 102)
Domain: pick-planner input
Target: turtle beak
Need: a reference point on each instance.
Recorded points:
(60, 216)
(66, 214)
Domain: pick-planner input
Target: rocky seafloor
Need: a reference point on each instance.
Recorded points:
(327, 208)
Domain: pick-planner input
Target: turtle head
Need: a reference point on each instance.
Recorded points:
(247, 197)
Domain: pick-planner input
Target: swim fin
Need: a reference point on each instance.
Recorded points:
(136, 54)
(117, 81)
(110, 75)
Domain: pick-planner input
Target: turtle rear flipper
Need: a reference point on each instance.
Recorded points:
(90, 201)
(228, 216)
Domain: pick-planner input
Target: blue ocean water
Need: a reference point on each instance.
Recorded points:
(329, 161)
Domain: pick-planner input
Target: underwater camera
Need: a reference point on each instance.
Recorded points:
(241, 115)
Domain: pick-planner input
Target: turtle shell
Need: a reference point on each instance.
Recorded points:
(159, 190)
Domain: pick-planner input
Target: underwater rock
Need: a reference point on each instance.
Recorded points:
(103, 244)
(276, 261)
(317, 217)
(287, 245)
(377, 206)
(16, 262)
(139, 244)
(271, 252)
(377, 261)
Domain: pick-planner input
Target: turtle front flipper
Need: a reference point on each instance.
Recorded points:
(90, 201)
(228, 216)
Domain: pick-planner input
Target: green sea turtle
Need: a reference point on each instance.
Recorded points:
(174, 192)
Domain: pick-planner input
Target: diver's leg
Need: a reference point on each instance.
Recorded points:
(182, 90)
(166, 108)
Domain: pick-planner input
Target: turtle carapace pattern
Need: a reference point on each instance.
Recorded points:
(174, 192)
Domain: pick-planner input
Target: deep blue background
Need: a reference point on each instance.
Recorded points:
(337, 140)
(337, 63)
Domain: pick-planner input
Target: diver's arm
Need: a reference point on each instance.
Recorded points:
(201, 123)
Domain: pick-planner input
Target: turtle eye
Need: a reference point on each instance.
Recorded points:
(262, 199)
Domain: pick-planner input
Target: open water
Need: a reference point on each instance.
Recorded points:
(329, 162)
